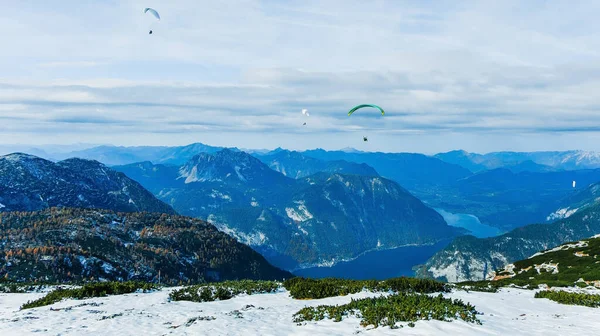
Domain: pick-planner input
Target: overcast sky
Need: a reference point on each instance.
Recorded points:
(475, 75)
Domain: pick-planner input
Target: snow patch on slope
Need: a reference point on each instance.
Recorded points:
(239, 175)
(300, 213)
(262, 217)
(561, 214)
(218, 194)
(579, 244)
(253, 239)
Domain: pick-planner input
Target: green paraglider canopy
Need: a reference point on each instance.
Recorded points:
(365, 105)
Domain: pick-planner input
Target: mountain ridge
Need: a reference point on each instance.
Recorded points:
(30, 183)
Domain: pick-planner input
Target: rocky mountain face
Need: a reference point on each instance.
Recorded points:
(470, 258)
(232, 168)
(30, 183)
(296, 165)
(318, 219)
(66, 244)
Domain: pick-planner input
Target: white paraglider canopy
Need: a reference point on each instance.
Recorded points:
(153, 12)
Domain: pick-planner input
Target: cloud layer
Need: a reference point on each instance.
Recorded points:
(476, 75)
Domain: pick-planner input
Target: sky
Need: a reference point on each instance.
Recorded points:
(476, 75)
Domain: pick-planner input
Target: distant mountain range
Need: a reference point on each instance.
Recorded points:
(30, 183)
(519, 161)
(321, 218)
(416, 172)
(499, 193)
(297, 165)
(474, 162)
(66, 244)
(503, 197)
(318, 207)
(118, 155)
(470, 258)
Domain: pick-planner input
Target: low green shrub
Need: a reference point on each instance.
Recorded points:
(580, 299)
(223, 290)
(388, 310)
(303, 288)
(90, 290)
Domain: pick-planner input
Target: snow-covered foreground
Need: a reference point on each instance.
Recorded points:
(509, 312)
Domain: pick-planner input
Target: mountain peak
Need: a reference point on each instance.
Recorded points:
(350, 150)
(83, 162)
(228, 165)
(17, 156)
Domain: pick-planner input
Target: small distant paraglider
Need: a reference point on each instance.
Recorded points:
(574, 184)
(305, 112)
(365, 139)
(154, 13)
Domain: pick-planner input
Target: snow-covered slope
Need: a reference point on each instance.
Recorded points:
(509, 312)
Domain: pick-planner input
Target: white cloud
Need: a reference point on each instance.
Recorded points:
(473, 74)
(75, 64)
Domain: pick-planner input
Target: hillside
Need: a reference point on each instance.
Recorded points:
(470, 258)
(506, 199)
(569, 264)
(577, 201)
(30, 183)
(319, 219)
(66, 244)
